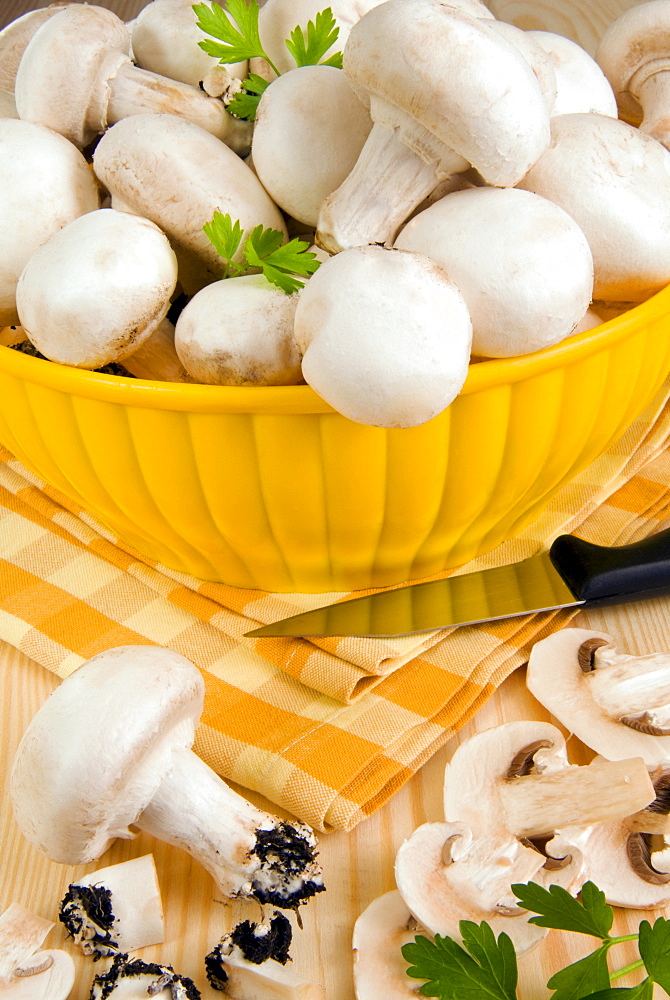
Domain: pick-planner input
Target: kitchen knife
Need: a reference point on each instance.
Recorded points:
(573, 573)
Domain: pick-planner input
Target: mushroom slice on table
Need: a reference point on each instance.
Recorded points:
(629, 860)
(111, 749)
(633, 53)
(522, 264)
(148, 161)
(617, 704)
(615, 183)
(515, 810)
(385, 336)
(380, 931)
(25, 972)
(427, 72)
(97, 289)
(115, 909)
(45, 183)
(76, 76)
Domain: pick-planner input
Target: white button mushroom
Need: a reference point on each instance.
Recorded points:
(308, 133)
(239, 331)
(428, 72)
(581, 85)
(177, 174)
(615, 183)
(97, 289)
(633, 53)
(25, 972)
(522, 264)
(45, 183)
(14, 38)
(110, 748)
(76, 76)
(165, 38)
(384, 926)
(385, 336)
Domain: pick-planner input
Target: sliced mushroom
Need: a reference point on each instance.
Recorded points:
(628, 860)
(380, 931)
(25, 972)
(617, 704)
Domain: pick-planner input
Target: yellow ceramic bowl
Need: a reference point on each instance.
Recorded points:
(270, 488)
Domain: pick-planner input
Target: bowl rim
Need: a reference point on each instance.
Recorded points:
(302, 399)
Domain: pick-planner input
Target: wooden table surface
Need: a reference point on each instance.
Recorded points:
(358, 866)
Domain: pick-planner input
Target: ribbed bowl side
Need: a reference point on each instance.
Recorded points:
(310, 501)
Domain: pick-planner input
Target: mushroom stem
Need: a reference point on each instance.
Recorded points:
(355, 215)
(538, 803)
(653, 94)
(135, 91)
(247, 851)
(623, 685)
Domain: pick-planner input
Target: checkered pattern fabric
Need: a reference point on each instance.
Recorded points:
(328, 729)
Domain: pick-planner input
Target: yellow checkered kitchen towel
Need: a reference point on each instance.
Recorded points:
(328, 729)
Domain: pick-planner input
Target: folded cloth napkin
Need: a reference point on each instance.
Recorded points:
(328, 729)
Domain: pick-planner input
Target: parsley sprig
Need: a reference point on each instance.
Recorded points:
(238, 39)
(486, 967)
(281, 263)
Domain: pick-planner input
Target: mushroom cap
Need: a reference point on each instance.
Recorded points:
(94, 754)
(615, 183)
(385, 336)
(165, 38)
(308, 133)
(278, 18)
(15, 36)
(239, 331)
(581, 85)
(536, 57)
(380, 931)
(45, 183)
(555, 677)
(522, 264)
(628, 49)
(62, 79)
(97, 289)
(449, 82)
(176, 174)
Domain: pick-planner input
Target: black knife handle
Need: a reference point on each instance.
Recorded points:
(598, 572)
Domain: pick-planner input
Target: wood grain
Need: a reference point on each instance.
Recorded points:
(358, 866)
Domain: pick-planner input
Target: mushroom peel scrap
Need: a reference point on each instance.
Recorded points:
(459, 71)
(110, 748)
(515, 810)
(615, 703)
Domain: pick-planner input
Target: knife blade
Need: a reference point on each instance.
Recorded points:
(573, 573)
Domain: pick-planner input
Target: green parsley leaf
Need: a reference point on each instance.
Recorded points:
(557, 908)
(644, 991)
(225, 236)
(486, 970)
(582, 978)
(239, 38)
(279, 262)
(654, 945)
(308, 48)
(245, 104)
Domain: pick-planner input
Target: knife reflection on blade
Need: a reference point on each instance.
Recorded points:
(572, 573)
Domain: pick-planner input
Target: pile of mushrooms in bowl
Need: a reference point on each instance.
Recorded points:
(470, 199)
